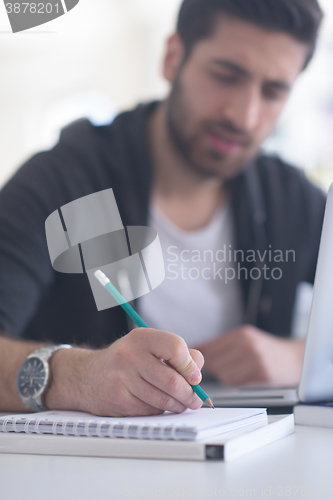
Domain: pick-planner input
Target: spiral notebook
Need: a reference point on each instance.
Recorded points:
(249, 434)
(191, 425)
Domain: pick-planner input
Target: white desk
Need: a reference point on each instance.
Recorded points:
(304, 459)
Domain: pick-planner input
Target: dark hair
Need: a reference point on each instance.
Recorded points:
(298, 18)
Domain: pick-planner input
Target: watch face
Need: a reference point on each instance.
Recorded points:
(31, 377)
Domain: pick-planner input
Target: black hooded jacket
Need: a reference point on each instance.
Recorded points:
(274, 208)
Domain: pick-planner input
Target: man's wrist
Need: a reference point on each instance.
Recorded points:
(68, 377)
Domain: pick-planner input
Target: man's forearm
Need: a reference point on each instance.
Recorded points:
(12, 354)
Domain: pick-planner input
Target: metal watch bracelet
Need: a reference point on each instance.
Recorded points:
(34, 403)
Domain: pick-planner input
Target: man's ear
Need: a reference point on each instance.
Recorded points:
(173, 57)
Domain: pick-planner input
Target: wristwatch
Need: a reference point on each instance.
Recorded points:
(34, 376)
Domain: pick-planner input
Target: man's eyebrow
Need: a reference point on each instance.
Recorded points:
(236, 68)
(225, 63)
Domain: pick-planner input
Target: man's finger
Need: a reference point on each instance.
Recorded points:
(154, 397)
(197, 357)
(168, 380)
(173, 348)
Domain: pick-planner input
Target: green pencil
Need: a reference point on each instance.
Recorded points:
(104, 280)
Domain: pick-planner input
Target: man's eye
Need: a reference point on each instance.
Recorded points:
(273, 94)
(224, 78)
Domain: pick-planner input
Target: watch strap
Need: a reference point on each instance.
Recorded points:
(46, 352)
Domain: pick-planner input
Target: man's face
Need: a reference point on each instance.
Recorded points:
(226, 98)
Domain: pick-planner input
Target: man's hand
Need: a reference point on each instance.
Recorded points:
(247, 355)
(144, 373)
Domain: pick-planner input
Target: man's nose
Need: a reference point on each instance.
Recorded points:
(243, 110)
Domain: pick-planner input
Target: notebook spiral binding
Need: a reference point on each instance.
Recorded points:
(93, 428)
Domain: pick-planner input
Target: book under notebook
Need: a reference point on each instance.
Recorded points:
(191, 425)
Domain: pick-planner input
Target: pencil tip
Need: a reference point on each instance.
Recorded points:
(209, 403)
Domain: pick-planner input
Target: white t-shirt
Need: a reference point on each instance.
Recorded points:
(195, 300)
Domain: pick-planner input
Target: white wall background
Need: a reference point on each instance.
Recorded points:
(104, 56)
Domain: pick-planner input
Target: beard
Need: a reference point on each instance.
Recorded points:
(187, 136)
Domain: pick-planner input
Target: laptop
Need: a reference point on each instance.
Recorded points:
(316, 382)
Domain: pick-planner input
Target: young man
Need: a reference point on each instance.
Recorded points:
(189, 166)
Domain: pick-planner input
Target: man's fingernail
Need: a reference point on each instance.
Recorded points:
(195, 377)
